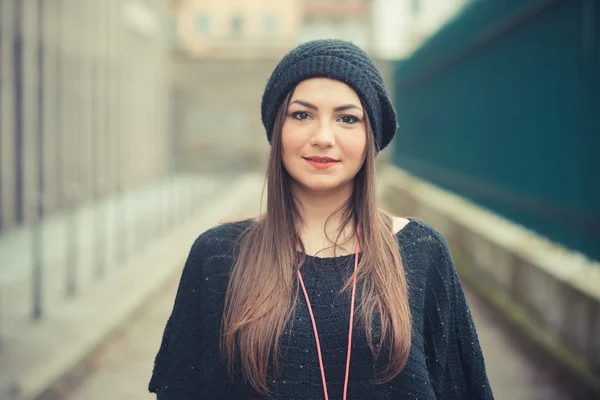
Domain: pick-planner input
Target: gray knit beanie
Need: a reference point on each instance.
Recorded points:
(336, 59)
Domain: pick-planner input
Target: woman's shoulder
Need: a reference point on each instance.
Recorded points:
(426, 237)
(423, 246)
(220, 239)
(412, 231)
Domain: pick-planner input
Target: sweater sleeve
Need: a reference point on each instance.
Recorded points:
(454, 355)
(175, 373)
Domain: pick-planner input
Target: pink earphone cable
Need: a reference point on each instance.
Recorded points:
(351, 324)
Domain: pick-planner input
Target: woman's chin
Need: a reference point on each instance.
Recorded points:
(322, 184)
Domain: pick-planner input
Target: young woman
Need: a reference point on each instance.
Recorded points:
(324, 296)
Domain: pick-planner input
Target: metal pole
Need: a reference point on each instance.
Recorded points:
(176, 194)
(18, 107)
(192, 189)
(39, 198)
(176, 112)
(159, 199)
(72, 233)
(178, 198)
(100, 259)
(58, 79)
(164, 214)
(128, 234)
(73, 79)
(108, 133)
(122, 234)
(97, 106)
(3, 12)
(142, 227)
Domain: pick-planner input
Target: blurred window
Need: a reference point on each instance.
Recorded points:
(204, 25)
(270, 25)
(237, 25)
(415, 7)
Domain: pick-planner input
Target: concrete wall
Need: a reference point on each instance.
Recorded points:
(547, 293)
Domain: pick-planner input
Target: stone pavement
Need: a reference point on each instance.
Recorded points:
(514, 369)
(123, 368)
(121, 371)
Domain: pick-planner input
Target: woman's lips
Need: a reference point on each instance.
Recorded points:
(321, 162)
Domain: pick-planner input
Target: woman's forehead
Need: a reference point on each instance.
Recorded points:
(324, 89)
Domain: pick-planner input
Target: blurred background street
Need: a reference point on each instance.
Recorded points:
(129, 127)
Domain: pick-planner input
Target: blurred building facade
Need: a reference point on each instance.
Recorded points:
(349, 20)
(246, 29)
(235, 29)
(82, 101)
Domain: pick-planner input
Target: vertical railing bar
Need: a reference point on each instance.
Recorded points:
(38, 307)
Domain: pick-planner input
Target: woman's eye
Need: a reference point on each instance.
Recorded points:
(300, 115)
(348, 119)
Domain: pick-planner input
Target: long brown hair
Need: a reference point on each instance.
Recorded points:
(262, 292)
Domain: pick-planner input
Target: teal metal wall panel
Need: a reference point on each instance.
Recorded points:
(501, 107)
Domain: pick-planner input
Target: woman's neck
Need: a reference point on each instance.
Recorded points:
(320, 226)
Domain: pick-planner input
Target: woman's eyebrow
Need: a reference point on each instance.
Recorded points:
(305, 104)
(337, 109)
(347, 107)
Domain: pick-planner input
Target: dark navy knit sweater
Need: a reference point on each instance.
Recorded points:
(445, 360)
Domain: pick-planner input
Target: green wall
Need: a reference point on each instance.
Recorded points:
(501, 106)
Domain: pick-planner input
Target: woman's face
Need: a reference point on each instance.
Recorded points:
(324, 135)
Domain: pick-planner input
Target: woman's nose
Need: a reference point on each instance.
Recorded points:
(323, 136)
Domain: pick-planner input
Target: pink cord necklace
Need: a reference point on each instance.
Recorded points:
(314, 324)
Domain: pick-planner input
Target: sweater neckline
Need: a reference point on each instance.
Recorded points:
(409, 226)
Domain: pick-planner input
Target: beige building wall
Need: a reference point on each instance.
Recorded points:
(338, 19)
(237, 28)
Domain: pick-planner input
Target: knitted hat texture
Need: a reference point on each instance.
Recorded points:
(335, 59)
